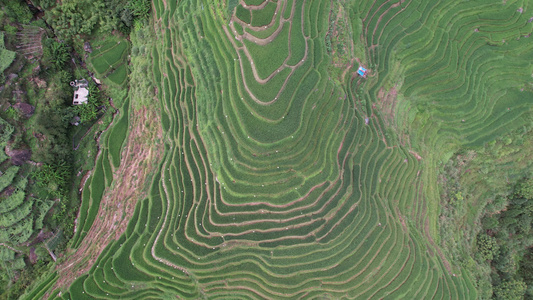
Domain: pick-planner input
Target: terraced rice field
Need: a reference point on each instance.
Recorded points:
(109, 59)
(279, 181)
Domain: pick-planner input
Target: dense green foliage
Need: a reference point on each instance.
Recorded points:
(95, 105)
(58, 53)
(20, 217)
(487, 247)
(524, 190)
(139, 8)
(510, 290)
(506, 241)
(39, 195)
(17, 10)
(55, 148)
(82, 17)
(53, 178)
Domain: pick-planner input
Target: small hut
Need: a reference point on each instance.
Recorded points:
(362, 72)
(81, 93)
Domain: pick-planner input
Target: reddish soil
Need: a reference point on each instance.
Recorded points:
(387, 104)
(402, 221)
(118, 204)
(417, 156)
(33, 256)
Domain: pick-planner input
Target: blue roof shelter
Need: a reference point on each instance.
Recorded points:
(362, 72)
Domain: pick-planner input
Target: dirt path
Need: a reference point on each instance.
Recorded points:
(253, 7)
(11, 248)
(118, 204)
(437, 248)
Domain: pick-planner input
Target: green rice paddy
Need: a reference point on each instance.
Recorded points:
(294, 184)
(109, 60)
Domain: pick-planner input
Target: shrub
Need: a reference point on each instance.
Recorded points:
(139, 8)
(89, 111)
(44, 4)
(53, 178)
(10, 29)
(524, 189)
(18, 11)
(510, 290)
(487, 247)
(59, 53)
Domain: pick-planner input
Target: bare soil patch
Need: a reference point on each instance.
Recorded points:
(387, 104)
(118, 203)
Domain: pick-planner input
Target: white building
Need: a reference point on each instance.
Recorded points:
(81, 93)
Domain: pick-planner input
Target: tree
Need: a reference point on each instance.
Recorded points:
(53, 178)
(56, 147)
(510, 290)
(71, 18)
(43, 4)
(89, 111)
(60, 53)
(526, 271)
(524, 189)
(487, 247)
(490, 222)
(18, 11)
(505, 263)
(139, 8)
